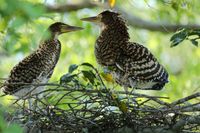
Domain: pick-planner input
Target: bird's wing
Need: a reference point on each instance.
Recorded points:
(139, 63)
(25, 71)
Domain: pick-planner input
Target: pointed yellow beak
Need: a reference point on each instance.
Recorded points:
(92, 19)
(68, 28)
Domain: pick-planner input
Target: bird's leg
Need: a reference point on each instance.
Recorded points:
(30, 103)
(133, 99)
(36, 99)
(34, 104)
(124, 81)
(133, 84)
(126, 91)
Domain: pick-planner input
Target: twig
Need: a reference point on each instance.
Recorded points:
(182, 122)
(132, 19)
(67, 88)
(180, 101)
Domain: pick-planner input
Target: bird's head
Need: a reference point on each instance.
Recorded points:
(106, 17)
(60, 28)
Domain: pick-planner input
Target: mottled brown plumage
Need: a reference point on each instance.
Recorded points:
(132, 64)
(37, 67)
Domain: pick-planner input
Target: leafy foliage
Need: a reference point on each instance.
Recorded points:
(14, 16)
(87, 75)
(192, 35)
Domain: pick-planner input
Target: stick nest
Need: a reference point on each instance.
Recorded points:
(81, 102)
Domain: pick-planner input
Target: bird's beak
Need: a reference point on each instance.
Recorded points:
(92, 19)
(68, 28)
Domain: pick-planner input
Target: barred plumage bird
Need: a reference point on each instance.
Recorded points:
(132, 65)
(37, 67)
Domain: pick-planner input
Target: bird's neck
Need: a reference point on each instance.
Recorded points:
(50, 42)
(54, 36)
(115, 33)
(49, 36)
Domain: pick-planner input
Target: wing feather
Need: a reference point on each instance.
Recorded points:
(139, 62)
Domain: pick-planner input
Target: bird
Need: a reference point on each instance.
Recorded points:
(38, 67)
(131, 64)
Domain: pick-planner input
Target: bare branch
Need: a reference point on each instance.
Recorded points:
(133, 20)
(70, 7)
(191, 120)
(186, 99)
(152, 26)
(69, 88)
(93, 108)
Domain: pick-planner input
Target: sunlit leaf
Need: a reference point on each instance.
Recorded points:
(123, 107)
(3, 25)
(114, 96)
(112, 3)
(108, 77)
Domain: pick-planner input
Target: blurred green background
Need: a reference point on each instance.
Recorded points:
(22, 23)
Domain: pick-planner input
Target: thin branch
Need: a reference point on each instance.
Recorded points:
(68, 88)
(70, 7)
(137, 22)
(191, 120)
(180, 101)
(132, 19)
(87, 109)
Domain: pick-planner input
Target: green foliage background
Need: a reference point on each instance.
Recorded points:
(22, 23)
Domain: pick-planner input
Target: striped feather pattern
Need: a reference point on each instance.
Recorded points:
(35, 68)
(133, 64)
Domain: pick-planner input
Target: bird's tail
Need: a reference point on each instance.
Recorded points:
(3, 91)
(156, 86)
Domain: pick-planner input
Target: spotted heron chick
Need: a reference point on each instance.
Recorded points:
(132, 65)
(38, 67)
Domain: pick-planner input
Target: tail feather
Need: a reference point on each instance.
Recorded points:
(3, 90)
(157, 86)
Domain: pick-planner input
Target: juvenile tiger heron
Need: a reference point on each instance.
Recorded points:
(38, 67)
(131, 64)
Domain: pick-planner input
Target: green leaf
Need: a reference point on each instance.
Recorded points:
(87, 64)
(72, 68)
(194, 32)
(174, 5)
(67, 78)
(194, 42)
(89, 75)
(177, 38)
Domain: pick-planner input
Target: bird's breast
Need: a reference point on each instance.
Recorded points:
(105, 55)
(52, 54)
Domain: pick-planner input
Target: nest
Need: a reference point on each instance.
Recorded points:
(81, 102)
